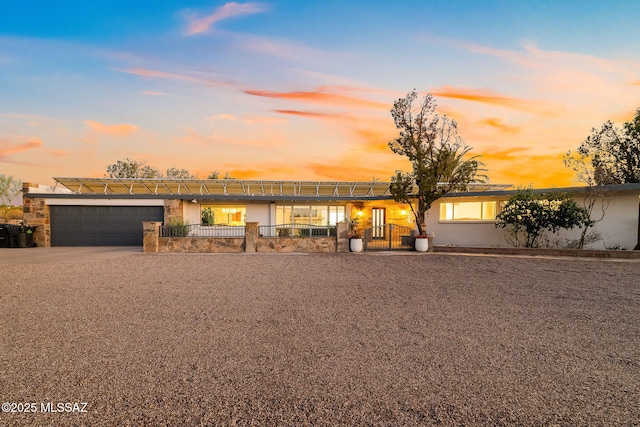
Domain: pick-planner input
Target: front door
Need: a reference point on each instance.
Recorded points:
(378, 217)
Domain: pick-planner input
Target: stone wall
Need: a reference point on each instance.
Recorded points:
(36, 213)
(290, 244)
(252, 242)
(200, 244)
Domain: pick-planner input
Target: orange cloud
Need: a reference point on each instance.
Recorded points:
(500, 125)
(489, 97)
(515, 166)
(320, 96)
(8, 148)
(116, 130)
(310, 114)
(59, 153)
(154, 93)
(229, 10)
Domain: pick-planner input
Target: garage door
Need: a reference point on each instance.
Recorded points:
(100, 225)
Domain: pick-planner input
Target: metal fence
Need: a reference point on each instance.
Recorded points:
(388, 237)
(297, 230)
(197, 230)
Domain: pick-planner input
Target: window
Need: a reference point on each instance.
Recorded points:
(312, 215)
(468, 211)
(223, 215)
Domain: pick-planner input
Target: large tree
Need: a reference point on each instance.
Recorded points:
(614, 153)
(440, 159)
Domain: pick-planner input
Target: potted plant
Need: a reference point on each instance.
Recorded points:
(355, 236)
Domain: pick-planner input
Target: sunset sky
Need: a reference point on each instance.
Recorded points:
(301, 89)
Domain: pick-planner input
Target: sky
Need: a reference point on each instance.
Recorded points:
(302, 89)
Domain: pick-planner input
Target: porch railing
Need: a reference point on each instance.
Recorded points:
(297, 230)
(197, 230)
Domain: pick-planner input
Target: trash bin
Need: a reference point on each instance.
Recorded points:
(17, 236)
(29, 230)
(4, 235)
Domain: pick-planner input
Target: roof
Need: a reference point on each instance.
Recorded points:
(610, 188)
(227, 189)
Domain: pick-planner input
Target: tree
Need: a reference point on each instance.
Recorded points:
(131, 169)
(527, 215)
(175, 173)
(614, 153)
(214, 175)
(595, 195)
(10, 188)
(438, 155)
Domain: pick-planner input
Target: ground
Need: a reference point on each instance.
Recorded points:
(327, 339)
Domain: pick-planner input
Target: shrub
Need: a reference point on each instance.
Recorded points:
(527, 215)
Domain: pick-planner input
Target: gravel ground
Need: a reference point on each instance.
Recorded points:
(322, 340)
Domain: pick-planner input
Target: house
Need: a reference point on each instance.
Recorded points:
(110, 211)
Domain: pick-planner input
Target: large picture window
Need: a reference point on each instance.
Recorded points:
(468, 211)
(309, 214)
(223, 215)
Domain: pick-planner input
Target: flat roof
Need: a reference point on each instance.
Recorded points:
(228, 189)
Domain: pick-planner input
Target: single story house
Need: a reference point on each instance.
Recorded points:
(110, 211)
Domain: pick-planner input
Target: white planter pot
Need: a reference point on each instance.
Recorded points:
(355, 245)
(422, 244)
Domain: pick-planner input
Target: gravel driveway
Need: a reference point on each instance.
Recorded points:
(322, 340)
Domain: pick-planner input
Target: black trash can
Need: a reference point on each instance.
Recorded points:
(4, 235)
(29, 230)
(17, 237)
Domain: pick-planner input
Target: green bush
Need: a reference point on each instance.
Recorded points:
(527, 215)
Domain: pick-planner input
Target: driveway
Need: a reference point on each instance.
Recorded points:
(64, 254)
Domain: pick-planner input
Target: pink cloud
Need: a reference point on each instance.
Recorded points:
(116, 130)
(8, 147)
(148, 73)
(199, 25)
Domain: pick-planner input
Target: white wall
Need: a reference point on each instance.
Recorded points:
(618, 228)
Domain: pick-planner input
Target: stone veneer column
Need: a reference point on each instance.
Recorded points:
(151, 233)
(36, 213)
(173, 210)
(342, 233)
(251, 237)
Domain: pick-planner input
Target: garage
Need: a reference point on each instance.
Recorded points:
(100, 225)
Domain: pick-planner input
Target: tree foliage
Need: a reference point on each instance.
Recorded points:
(175, 173)
(527, 215)
(131, 169)
(439, 157)
(614, 153)
(10, 188)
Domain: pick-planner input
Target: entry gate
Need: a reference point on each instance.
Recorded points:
(388, 237)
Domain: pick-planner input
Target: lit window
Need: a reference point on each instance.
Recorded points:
(468, 211)
(313, 215)
(223, 215)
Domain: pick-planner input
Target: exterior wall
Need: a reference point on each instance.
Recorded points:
(620, 224)
(36, 213)
(174, 209)
(618, 228)
(260, 213)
